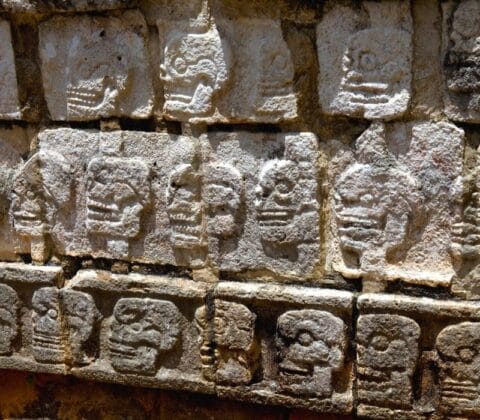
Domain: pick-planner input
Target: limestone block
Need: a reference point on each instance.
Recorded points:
(9, 104)
(148, 336)
(58, 6)
(399, 337)
(303, 360)
(461, 59)
(262, 202)
(218, 70)
(96, 67)
(122, 195)
(394, 203)
(365, 56)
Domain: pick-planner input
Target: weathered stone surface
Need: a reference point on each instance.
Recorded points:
(219, 70)
(9, 104)
(394, 202)
(96, 67)
(47, 6)
(262, 202)
(399, 337)
(305, 363)
(461, 60)
(365, 56)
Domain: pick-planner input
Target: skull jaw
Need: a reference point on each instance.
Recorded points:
(130, 359)
(317, 383)
(199, 104)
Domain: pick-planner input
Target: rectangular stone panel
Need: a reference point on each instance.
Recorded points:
(262, 202)
(365, 59)
(417, 355)
(59, 6)
(146, 332)
(281, 345)
(218, 70)
(9, 104)
(31, 336)
(394, 202)
(461, 60)
(96, 66)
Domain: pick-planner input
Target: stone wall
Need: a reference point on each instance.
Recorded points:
(272, 202)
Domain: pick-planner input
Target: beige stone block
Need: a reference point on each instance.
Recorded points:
(9, 104)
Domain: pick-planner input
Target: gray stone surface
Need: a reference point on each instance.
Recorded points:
(9, 103)
(58, 6)
(96, 67)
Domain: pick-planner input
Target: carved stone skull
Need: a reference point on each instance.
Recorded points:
(185, 207)
(97, 76)
(195, 68)
(278, 201)
(234, 330)
(118, 189)
(80, 314)
(459, 349)
(311, 346)
(222, 195)
(47, 327)
(142, 329)
(9, 305)
(387, 351)
(463, 58)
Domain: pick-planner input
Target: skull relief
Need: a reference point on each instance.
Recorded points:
(463, 58)
(47, 327)
(118, 189)
(222, 194)
(311, 345)
(374, 207)
(459, 349)
(97, 77)
(376, 73)
(9, 305)
(387, 351)
(142, 329)
(80, 314)
(184, 207)
(195, 69)
(234, 331)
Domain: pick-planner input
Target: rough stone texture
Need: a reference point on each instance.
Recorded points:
(9, 104)
(96, 67)
(365, 59)
(47, 6)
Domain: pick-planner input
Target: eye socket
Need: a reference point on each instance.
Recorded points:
(380, 342)
(52, 313)
(467, 354)
(279, 62)
(305, 338)
(368, 61)
(284, 186)
(180, 65)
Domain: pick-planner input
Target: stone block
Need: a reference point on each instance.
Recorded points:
(60, 6)
(218, 70)
(461, 59)
(262, 202)
(365, 55)
(394, 203)
(400, 338)
(9, 103)
(280, 345)
(148, 334)
(96, 67)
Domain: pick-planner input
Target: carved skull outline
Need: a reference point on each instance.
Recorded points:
(47, 327)
(9, 306)
(459, 349)
(141, 329)
(222, 194)
(311, 346)
(387, 352)
(97, 76)
(195, 68)
(118, 189)
(184, 207)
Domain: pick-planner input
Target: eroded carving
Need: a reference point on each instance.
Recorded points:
(185, 207)
(387, 352)
(141, 330)
(9, 105)
(118, 189)
(459, 349)
(9, 306)
(48, 346)
(311, 346)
